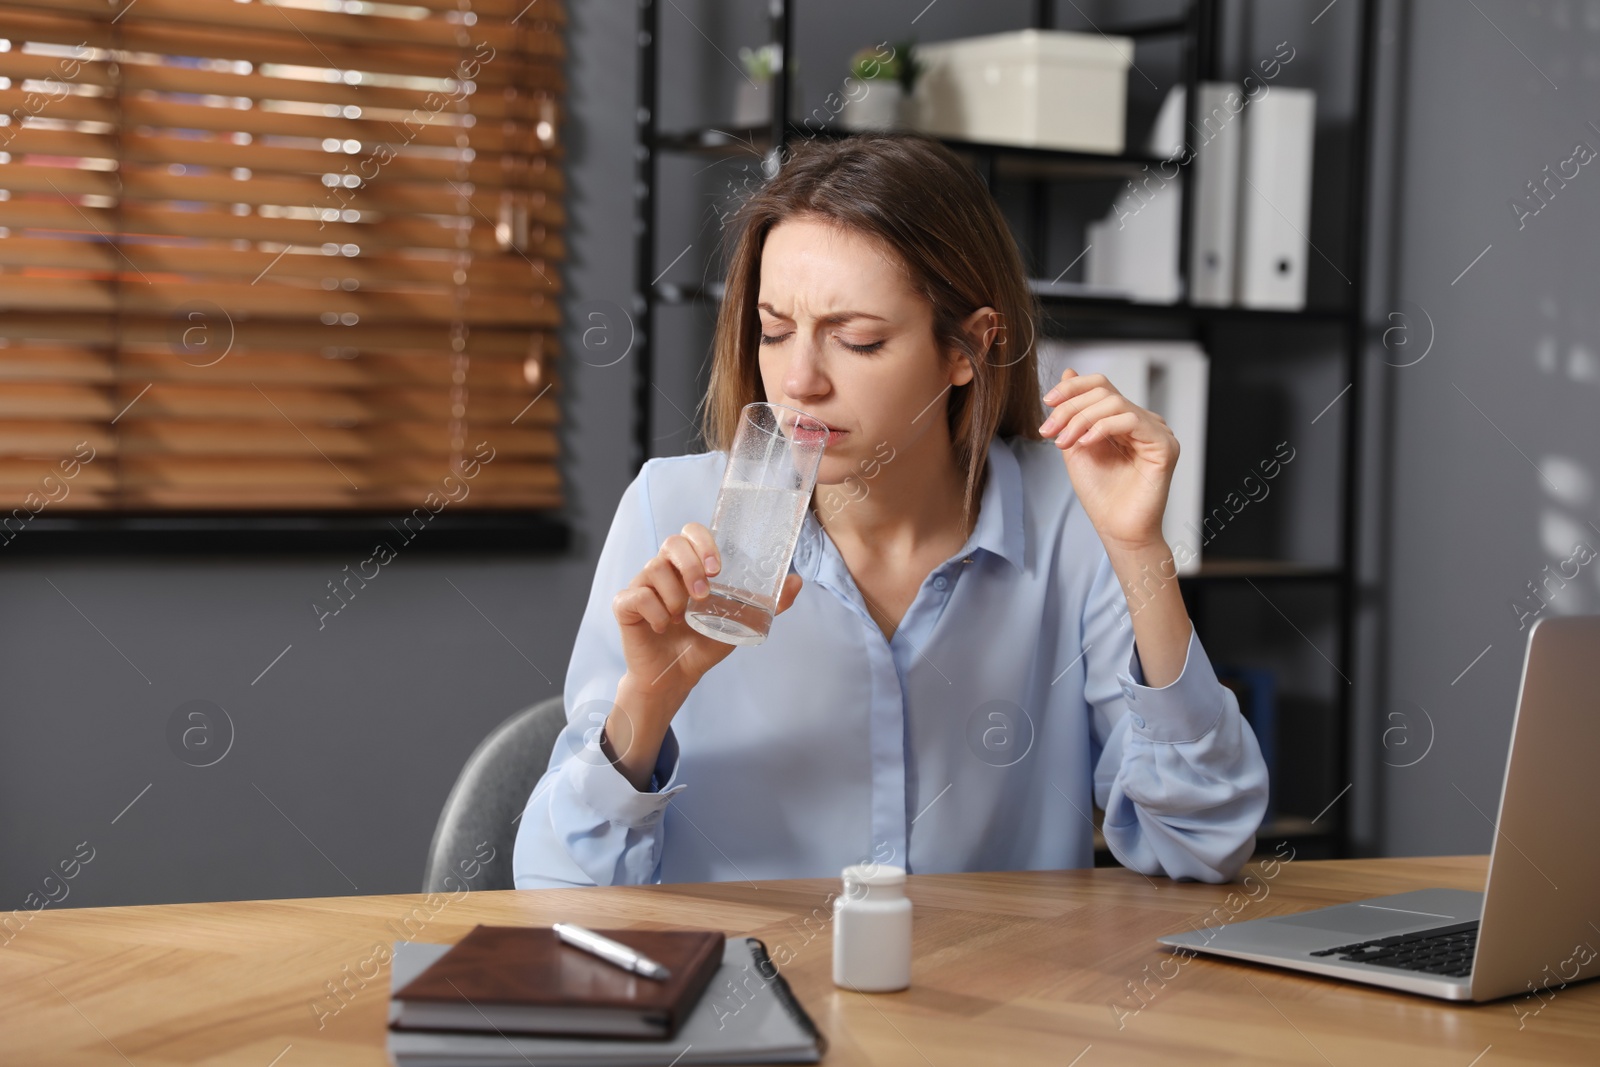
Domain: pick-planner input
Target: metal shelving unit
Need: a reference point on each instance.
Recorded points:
(1069, 314)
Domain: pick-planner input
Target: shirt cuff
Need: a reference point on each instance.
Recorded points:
(1184, 710)
(663, 778)
(599, 785)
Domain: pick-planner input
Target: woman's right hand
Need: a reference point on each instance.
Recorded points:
(663, 652)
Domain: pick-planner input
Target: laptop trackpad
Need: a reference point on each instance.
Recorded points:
(1357, 919)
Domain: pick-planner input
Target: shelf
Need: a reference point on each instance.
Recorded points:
(1059, 303)
(1064, 299)
(1272, 570)
(1010, 160)
(1161, 28)
(1019, 177)
(1295, 826)
(717, 141)
(691, 293)
(1280, 828)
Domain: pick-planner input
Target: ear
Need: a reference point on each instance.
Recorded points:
(984, 327)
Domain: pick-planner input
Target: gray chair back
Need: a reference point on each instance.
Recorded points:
(491, 791)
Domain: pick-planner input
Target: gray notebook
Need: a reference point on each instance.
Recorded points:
(746, 1015)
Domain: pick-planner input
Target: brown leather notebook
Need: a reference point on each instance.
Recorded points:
(523, 979)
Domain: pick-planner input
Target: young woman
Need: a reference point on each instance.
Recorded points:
(979, 640)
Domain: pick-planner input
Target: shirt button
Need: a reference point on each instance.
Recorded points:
(1127, 690)
(1138, 722)
(941, 582)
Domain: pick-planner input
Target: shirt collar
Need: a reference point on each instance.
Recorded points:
(999, 529)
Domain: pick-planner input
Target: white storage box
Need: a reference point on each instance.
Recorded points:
(1035, 88)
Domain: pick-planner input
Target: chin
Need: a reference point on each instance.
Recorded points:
(836, 464)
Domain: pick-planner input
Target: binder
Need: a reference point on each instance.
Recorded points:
(1134, 248)
(1170, 378)
(1100, 267)
(1215, 140)
(1166, 132)
(1275, 199)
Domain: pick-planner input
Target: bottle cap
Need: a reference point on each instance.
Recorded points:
(875, 874)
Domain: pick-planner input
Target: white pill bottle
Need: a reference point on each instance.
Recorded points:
(872, 930)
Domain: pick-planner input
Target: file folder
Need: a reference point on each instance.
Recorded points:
(1134, 248)
(1275, 199)
(1215, 140)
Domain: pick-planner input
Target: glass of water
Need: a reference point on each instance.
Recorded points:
(772, 467)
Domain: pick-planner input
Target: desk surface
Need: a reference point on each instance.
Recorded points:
(1009, 968)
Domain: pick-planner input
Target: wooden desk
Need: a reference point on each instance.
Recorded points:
(1010, 968)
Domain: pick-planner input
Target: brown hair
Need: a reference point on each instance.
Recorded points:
(923, 202)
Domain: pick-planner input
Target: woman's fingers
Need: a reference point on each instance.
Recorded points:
(1110, 426)
(790, 590)
(1072, 382)
(690, 562)
(641, 604)
(1071, 405)
(678, 573)
(1055, 390)
(1087, 417)
(705, 546)
(662, 574)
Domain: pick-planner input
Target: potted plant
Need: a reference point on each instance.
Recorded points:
(753, 105)
(882, 79)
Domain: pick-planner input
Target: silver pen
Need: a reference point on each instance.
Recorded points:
(610, 951)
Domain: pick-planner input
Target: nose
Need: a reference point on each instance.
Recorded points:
(804, 378)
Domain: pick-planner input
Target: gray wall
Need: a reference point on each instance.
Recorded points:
(1495, 437)
(345, 748)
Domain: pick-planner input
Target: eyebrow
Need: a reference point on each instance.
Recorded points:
(833, 319)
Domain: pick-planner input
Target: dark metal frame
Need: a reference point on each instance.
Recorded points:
(1356, 341)
(1198, 26)
(644, 235)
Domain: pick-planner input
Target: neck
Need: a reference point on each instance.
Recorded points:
(913, 505)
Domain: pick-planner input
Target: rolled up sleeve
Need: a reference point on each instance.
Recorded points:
(585, 823)
(1178, 773)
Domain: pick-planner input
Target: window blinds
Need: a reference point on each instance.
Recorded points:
(278, 254)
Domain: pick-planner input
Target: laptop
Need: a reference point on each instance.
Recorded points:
(1536, 925)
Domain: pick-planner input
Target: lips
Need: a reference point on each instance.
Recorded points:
(806, 433)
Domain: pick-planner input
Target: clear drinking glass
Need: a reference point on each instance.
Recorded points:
(761, 507)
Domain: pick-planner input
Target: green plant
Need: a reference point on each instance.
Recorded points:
(876, 63)
(883, 62)
(758, 62)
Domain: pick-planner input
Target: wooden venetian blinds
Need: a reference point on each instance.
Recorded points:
(278, 254)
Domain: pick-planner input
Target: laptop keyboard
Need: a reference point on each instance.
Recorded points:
(1444, 950)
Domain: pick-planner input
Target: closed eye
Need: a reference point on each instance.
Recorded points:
(772, 339)
(873, 347)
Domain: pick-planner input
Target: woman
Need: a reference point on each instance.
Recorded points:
(955, 674)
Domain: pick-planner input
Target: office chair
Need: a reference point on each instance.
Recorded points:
(490, 792)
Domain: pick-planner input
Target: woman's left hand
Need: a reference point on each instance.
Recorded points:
(1119, 456)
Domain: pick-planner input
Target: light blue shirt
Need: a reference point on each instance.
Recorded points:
(1009, 701)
